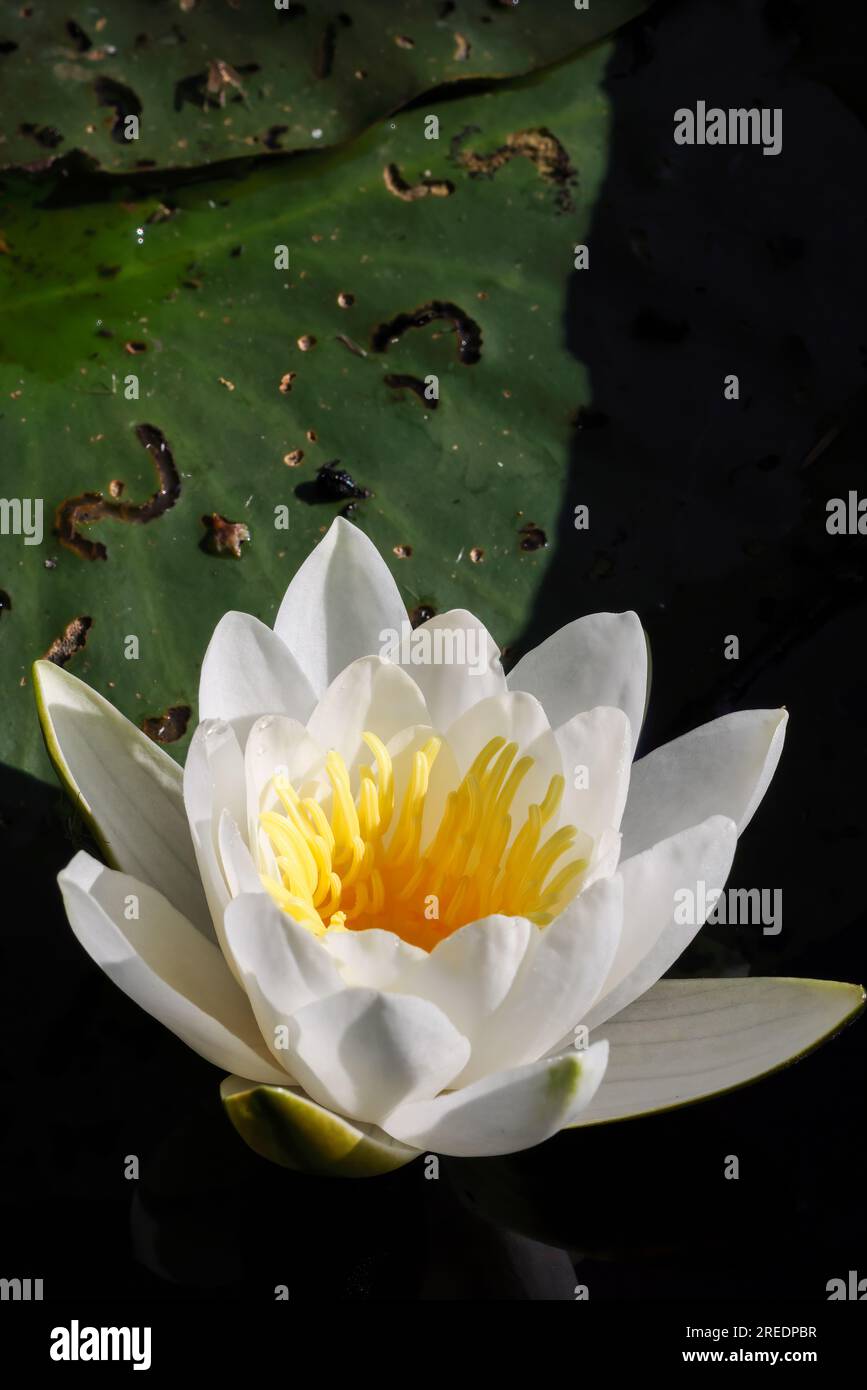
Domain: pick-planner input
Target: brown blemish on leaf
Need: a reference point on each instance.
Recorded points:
(404, 41)
(462, 48)
(540, 146)
(44, 135)
(398, 381)
(6, 250)
(410, 193)
(286, 381)
(221, 77)
(350, 343)
(135, 348)
(115, 488)
(306, 342)
(345, 300)
(403, 552)
(92, 506)
(293, 458)
(168, 727)
(223, 537)
(311, 436)
(477, 554)
(74, 637)
(161, 213)
(532, 537)
(468, 332)
(224, 381)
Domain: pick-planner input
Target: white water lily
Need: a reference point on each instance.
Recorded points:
(386, 898)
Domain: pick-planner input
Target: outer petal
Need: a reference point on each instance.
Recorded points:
(363, 1052)
(246, 672)
(652, 940)
(127, 788)
(597, 660)
(165, 965)
(686, 1040)
(339, 603)
(370, 694)
(213, 783)
(504, 1113)
(284, 1125)
(721, 768)
(450, 686)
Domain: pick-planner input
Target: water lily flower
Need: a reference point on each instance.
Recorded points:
(414, 904)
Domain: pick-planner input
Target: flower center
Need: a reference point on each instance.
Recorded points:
(342, 870)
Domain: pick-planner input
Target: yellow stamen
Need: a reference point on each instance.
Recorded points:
(350, 863)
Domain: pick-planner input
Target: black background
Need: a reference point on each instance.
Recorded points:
(709, 517)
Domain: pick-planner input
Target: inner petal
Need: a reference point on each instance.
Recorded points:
(357, 858)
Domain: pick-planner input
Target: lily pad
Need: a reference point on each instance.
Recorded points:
(207, 80)
(167, 389)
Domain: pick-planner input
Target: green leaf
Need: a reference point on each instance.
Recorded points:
(452, 486)
(209, 80)
(287, 1127)
(688, 1040)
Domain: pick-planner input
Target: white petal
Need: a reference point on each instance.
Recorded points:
(371, 694)
(339, 604)
(722, 768)
(363, 1052)
(127, 788)
(652, 940)
(283, 966)
(213, 783)
(597, 660)
(515, 716)
(689, 1039)
(277, 745)
(451, 686)
(504, 1113)
(595, 748)
(165, 965)
(236, 861)
(559, 977)
(246, 672)
(373, 957)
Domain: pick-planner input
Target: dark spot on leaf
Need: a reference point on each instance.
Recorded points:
(422, 613)
(44, 135)
(403, 552)
(292, 12)
(332, 484)
(163, 212)
(532, 537)
(168, 727)
(122, 99)
(7, 46)
(272, 136)
(349, 510)
(324, 61)
(399, 381)
(652, 327)
(78, 36)
(223, 537)
(345, 300)
(468, 331)
(5, 602)
(107, 272)
(134, 348)
(73, 638)
(236, 251)
(92, 506)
